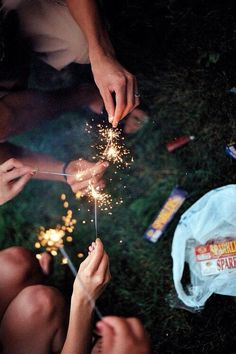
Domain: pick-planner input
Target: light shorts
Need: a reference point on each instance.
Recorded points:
(51, 30)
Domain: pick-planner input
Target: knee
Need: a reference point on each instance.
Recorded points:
(20, 265)
(5, 122)
(43, 304)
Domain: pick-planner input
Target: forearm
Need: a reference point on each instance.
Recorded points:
(38, 161)
(79, 334)
(86, 14)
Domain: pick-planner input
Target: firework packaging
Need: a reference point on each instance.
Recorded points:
(231, 150)
(166, 214)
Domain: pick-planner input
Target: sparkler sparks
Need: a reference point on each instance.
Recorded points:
(103, 200)
(112, 147)
(53, 239)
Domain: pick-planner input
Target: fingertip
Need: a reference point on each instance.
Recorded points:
(98, 240)
(98, 244)
(115, 124)
(33, 173)
(110, 118)
(99, 326)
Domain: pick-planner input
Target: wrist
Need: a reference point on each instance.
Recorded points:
(79, 300)
(99, 49)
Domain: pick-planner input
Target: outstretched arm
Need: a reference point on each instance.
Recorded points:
(37, 161)
(117, 86)
(82, 172)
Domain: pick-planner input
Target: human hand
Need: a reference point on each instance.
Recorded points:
(13, 177)
(93, 274)
(117, 86)
(84, 173)
(122, 336)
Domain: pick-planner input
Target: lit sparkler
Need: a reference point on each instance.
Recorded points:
(103, 200)
(94, 193)
(112, 147)
(50, 239)
(53, 239)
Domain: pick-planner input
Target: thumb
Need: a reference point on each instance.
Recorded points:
(19, 184)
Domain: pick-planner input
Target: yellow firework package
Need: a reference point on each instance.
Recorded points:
(166, 214)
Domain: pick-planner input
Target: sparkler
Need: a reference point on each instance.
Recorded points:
(78, 175)
(112, 148)
(94, 193)
(56, 173)
(101, 200)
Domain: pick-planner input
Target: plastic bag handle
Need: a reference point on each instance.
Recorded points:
(178, 255)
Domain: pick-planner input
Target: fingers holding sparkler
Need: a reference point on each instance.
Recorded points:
(13, 177)
(94, 272)
(84, 187)
(83, 172)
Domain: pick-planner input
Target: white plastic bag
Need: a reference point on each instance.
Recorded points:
(213, 217)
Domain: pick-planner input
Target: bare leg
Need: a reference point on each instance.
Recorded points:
(23, 110)
(34, 322)
(19, 268)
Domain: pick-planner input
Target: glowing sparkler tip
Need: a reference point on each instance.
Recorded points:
(112, 148)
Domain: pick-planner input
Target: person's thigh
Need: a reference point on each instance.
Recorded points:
(34, 322)
(19, 268)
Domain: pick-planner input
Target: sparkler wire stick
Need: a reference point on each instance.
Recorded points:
(70, 264)
(96, 216)
(55, 173)
(74, 271)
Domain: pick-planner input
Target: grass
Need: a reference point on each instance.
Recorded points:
(183, 55)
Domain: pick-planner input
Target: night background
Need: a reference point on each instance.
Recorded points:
(183, 54)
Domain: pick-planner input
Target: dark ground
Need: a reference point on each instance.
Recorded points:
(183, 53)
